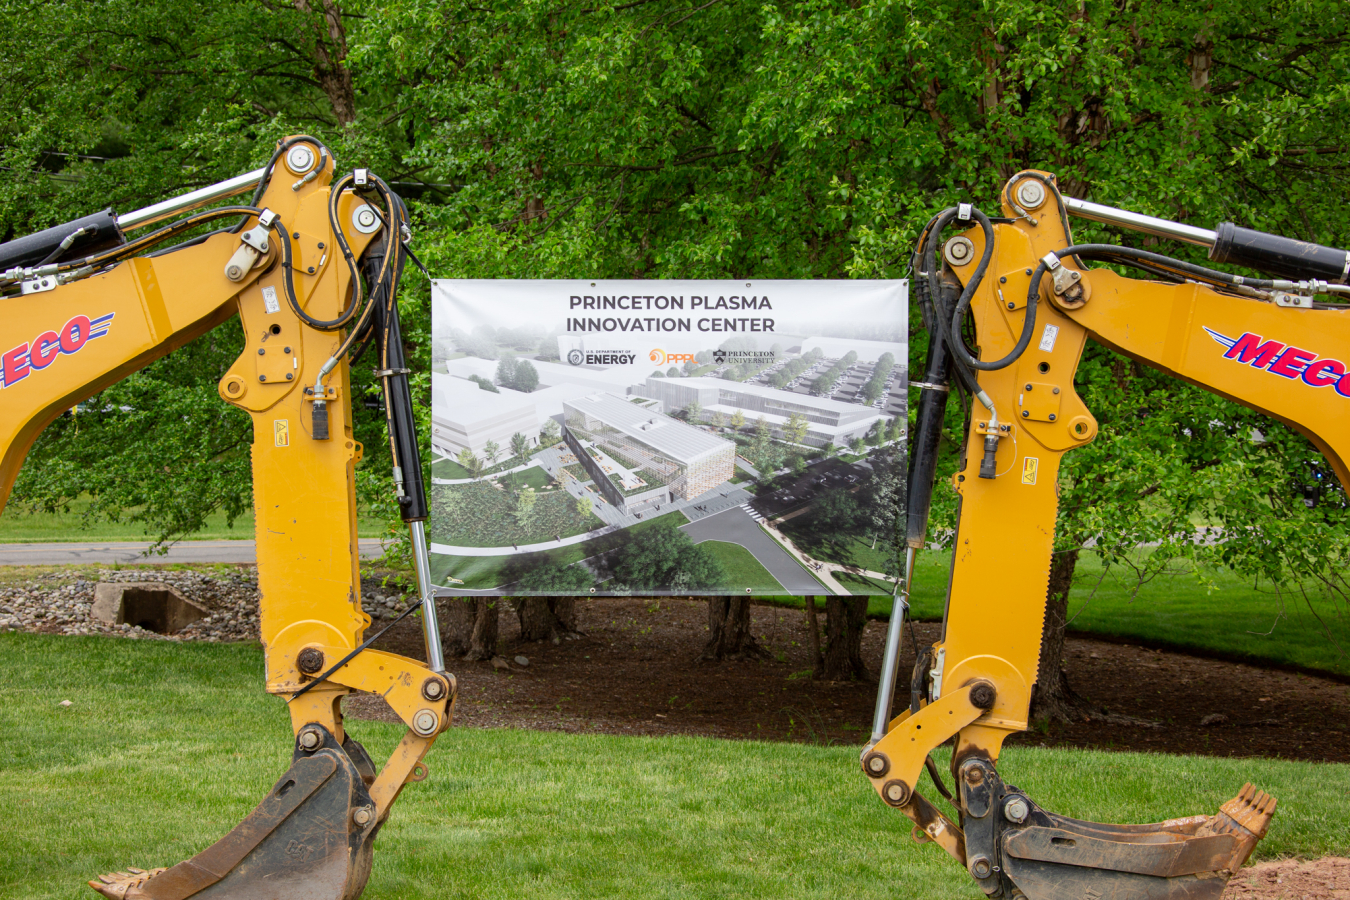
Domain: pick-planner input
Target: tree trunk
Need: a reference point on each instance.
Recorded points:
(813, 629)
(1053, 699)
(729, 634)
(546, 618)
(455, 617)
(844, 621)
(483, 639)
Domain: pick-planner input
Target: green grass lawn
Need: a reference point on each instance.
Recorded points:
(18, 526)
(1207, 610)
(518, 814)
(830, 546)
(743, 570)
(448, 468)
(535, 477)
(863, 584)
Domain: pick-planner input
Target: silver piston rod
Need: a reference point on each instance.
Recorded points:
(1110, 215)
(168, 209)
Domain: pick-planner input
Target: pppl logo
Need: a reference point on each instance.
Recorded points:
(17, 364)
(661, 357)
(1285, 361)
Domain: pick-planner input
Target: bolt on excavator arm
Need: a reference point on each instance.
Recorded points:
(95, 308)
(1262, 342)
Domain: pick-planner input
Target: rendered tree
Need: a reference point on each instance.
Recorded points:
(470, 461)
(527, 376)
(520, 446)
(525, 502)
(737, 421)
(549, 432)
(506, 371)
(492, 451)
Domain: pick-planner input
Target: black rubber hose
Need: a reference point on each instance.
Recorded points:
(939, 322)
(1113, 253)
(962, 305)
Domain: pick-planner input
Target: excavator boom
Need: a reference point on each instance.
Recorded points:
(311, 267)
(1267, 343)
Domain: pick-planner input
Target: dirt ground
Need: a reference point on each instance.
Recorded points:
(635, 670)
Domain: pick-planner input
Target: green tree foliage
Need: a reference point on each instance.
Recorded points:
(796, 428)
(525, 501)
(793, 140)
(492, 451)
(520, 445)
(673, 372)
(470, 461)
(549, 432)
(527, 377)
(552, 578)
(876, 383)
(506, 370)
(663, 557)
(484, 384)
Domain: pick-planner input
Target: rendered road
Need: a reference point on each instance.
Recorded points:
(735, 526)
(133, 552)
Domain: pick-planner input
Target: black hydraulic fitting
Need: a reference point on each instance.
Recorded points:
(988, 468)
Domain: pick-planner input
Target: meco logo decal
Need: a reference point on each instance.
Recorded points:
(46, 347)
(1285, 361)
(661, 357)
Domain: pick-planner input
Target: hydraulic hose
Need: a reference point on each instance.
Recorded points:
(963, 305)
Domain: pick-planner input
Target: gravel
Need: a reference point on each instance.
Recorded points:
(52, 604)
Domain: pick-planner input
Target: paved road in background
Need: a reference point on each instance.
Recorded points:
(737, 527)
(133, 552)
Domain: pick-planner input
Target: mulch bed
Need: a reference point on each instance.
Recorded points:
(636, 670)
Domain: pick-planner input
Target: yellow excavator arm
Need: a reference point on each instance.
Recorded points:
(311, 267)
(1266, 343)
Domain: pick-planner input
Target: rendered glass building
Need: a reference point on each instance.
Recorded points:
(637, 457)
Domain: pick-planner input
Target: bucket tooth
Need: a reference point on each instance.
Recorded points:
(1247, 818)
(1014, 848)
(115, 885)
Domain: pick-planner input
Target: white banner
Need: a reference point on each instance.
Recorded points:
(663, 437)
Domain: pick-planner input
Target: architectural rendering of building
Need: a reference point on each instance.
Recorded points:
(463, 415)
(830, 421)
(638, 457)
(868, 351)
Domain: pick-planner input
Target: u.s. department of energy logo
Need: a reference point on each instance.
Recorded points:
(600, 357)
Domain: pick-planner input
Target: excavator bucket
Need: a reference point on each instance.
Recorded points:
(309, 839)
(1017, 850)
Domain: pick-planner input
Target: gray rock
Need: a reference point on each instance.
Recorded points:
(522, 661)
